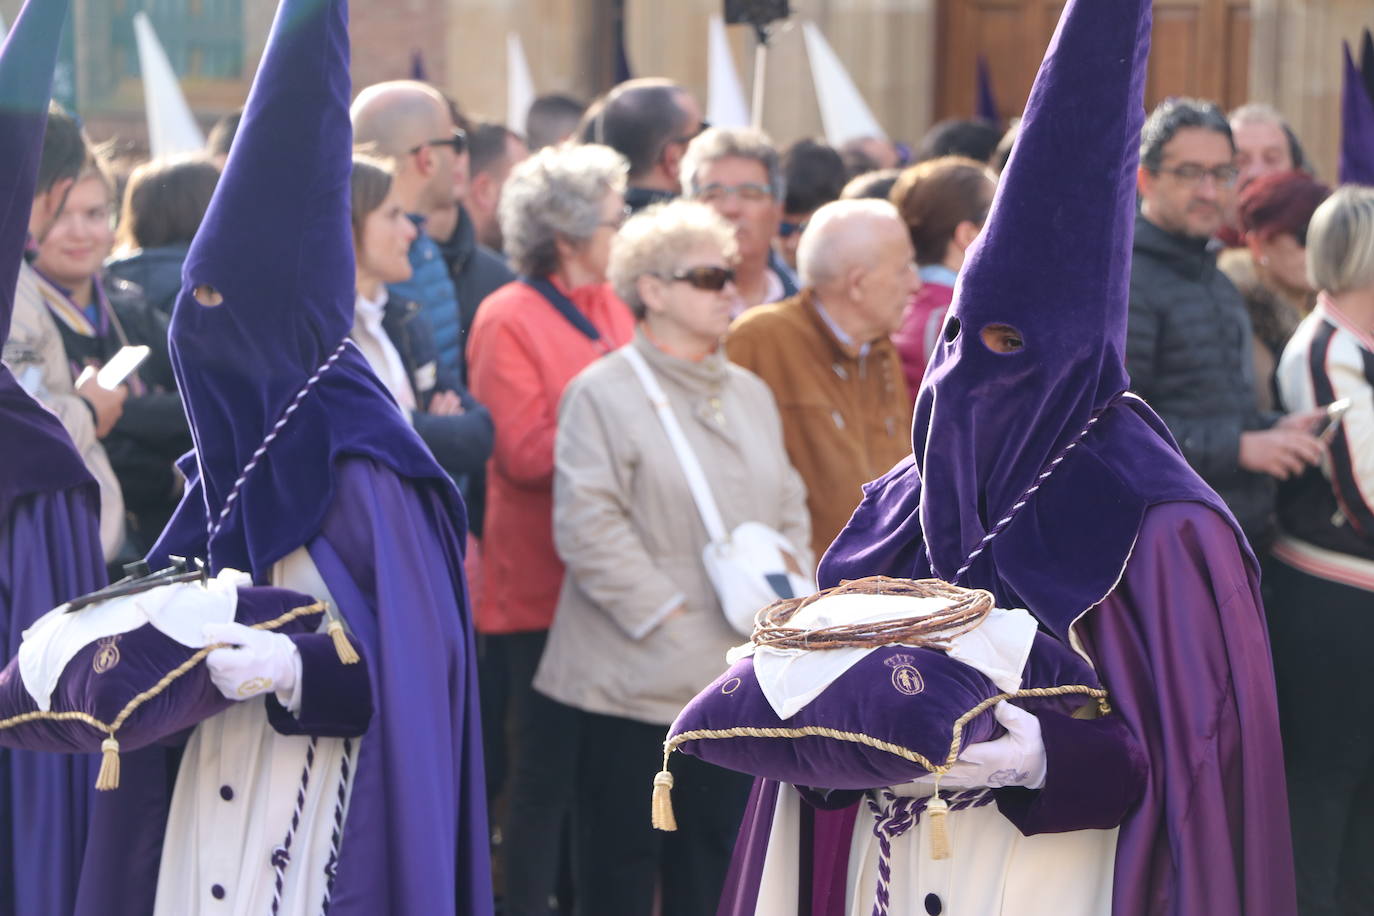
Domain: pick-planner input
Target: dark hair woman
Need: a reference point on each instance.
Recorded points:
(164, 202)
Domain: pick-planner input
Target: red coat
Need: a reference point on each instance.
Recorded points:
(521, 355)
(920, 330)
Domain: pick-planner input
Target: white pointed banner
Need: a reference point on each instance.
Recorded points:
(519, 84)
(171, 128)
(725, 104)
(844, 112)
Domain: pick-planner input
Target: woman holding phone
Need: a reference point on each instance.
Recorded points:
(97, 316)
(1323, 585)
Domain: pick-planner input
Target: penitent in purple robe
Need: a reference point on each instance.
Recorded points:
(49, 509)
(1181, 647)
(417, 804)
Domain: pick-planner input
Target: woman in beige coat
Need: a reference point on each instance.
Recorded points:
(638, 630)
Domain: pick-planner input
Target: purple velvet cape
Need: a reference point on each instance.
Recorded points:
(1182, 648)
(49, 507)
(418, 799)
(1357, 116)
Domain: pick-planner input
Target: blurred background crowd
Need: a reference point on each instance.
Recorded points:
(788, 299)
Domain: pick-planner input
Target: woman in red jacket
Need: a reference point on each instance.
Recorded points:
(560, 210)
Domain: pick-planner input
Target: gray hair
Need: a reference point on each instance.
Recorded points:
(1340, 241)
(838, 236)
(732, 143)
(1172, 115)
(556, 193)
(654, 241)
(1260, 113)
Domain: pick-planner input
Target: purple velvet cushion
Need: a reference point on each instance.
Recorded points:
(105, 676)
(908, 699)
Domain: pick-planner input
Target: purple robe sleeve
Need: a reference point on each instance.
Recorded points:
(1095, 773)
(1182, 647)
(336, 699)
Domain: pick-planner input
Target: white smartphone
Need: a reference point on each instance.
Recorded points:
(1334, 411)
(111, 375)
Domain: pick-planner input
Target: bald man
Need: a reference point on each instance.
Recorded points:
(827, 355)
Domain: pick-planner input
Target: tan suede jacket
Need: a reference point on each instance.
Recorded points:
(846, 417)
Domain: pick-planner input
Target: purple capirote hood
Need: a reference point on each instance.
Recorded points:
(47, 462)
(1053, 261)
(1357, 116)
(276, 244)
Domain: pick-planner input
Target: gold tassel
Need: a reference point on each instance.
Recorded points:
(108, 777)
(347, 654)
(937, 812)
(663, 800)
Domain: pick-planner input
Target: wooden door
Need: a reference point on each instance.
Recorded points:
(1199, 48)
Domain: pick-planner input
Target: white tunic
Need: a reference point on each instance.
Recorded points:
(235, 796)
(993, 868)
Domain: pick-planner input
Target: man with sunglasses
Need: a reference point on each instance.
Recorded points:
(649, 122)
(1188, 346)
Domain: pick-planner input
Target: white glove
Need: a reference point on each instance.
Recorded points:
(260, 661)
(1015, 759)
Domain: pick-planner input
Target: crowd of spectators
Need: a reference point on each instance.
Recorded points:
(511, 280)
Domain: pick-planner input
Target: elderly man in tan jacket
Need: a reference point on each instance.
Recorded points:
(827, 356)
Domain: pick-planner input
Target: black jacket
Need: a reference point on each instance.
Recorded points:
(156, 270)
(461, 444)
(1189, 353)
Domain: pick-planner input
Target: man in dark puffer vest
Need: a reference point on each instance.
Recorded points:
(1188, 346)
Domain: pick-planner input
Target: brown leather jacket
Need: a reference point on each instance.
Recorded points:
(846, 417)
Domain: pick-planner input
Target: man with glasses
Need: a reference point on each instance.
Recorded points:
(649, 122)
(1189, 339)
(737, 172)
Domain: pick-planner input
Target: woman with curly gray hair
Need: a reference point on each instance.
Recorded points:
(559, 211)
(639, 628)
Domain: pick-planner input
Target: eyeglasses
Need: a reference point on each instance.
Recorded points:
(1190, 173)
(688, 138)
(750, 192)
(787, 229)
(713, 279)
(458, 142)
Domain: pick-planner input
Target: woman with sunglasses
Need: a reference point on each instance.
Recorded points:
(639, 628)
(559, 211)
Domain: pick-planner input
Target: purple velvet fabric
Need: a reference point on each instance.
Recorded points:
(49, 552)
(104, 676)
(390, 552)
(1181, 647)
(37, 456)
(1357, 121)
(276, 244)
(874, 698)
(1053, 261)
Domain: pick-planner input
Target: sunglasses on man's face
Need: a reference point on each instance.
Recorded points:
(712, 279)
(788, 228)
(458, 142)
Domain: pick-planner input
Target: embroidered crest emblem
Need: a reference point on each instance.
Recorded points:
(107, 655)
(905, 677)
(730, 686)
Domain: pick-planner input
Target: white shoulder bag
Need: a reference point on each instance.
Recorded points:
(750, 567)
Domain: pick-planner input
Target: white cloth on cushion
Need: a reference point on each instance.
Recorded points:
(793, 678)
(178, 611)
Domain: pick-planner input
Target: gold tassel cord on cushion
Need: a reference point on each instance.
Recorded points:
(108, 777)
(662, 805)
(342, 645)
(937, 813)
